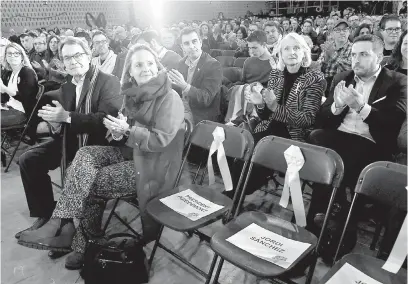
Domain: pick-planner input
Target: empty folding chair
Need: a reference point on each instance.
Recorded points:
(323, 166)
(239, 62)
(239, 145)
(226, 61)
(233, 74)
(385, 183)
(132, 199)
(228, 52)
(24, 126)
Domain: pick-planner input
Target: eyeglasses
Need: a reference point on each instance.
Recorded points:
(336, 30)
(100, 42)
(391, 30)
(13, 54)
(76, 56)
(39, 43)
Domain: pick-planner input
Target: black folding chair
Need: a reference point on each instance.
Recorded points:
(228, 52)
(239, 145)
(323, 166)
(132, 199)
(24, 126)
(385, 183)
(226, 61)
(239, 62)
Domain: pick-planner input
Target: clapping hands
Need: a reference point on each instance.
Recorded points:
(347, 96)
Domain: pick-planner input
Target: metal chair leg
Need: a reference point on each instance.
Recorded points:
(14, 153)
(218, 272)
(312, 268)
(110, 215)
(155, 247)
(210, 272)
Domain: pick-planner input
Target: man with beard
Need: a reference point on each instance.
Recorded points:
(198, 79)
(106, 58)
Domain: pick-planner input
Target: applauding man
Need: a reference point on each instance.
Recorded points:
(360, 120)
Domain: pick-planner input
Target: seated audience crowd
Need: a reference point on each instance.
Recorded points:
(119, 98)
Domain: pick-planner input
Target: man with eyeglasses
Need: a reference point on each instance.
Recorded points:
(80, 106)
(336, 55)
(105, 58)
(40, 46)
(390, 30)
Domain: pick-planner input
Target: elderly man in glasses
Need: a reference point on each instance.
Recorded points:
(80, 106)
(336, 55)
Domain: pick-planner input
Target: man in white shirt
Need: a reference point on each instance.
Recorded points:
(360, 120)
(80, 105)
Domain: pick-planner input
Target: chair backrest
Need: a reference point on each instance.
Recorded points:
(224, 46)
(226, 61)
(315, 56)
(322, 165)
(215, 52)
(384, 182)
(228, 52)
(239, 62)
(238, 143)
(233, 74)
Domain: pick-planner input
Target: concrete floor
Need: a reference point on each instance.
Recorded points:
(29, 266)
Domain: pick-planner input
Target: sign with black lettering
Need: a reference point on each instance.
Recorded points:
(190, 204)
(268, 245)
(349, 274)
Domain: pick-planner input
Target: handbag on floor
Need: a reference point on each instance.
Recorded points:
(118, 259)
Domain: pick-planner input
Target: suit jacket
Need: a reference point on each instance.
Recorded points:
(106, 99)
(203, 98)
(301, 106)
(388, 101)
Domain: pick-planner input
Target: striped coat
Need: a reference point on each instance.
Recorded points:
(301, 106)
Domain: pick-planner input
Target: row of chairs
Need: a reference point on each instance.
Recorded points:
(322, 166)
(231, 61)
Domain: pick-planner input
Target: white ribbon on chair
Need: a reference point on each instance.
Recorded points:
(399, 250)
(219, 137)
(292, 187)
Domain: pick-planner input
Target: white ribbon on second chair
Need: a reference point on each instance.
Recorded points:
(399, 250)
(219, 137)
(292, 187)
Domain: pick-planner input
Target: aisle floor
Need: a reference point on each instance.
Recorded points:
(29, 266)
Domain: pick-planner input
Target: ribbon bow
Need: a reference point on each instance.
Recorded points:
(292, 188)
(216, 145)
(399, 250)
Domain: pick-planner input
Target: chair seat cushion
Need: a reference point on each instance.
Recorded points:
(370, 266)
(249, 262)
(171, 219)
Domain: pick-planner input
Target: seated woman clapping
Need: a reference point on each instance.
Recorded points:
(289, 105)
(152, 127)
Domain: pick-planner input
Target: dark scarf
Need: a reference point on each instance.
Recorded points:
(288, 82)
(135, 96)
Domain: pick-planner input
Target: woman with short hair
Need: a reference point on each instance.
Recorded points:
(151, 125)
(289, 105)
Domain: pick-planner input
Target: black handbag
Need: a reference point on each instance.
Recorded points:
(119, 258)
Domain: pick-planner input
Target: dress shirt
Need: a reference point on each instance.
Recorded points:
(192, 65)
(353, 122)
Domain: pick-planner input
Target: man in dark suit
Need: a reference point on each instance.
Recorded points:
(79, 106)
(197, 79)
(360, 120)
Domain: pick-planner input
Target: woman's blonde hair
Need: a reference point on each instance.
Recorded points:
(25, 59)
(126, 77)
(307, 58)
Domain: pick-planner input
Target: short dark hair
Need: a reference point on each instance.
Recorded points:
(189, 30)
(273, 24)
(30, 34)
(257, 36)
(148, 36)
(285, 20)
(99, 33)
(308, 21)
(388, 18)
(84, 35)
(378, 44)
